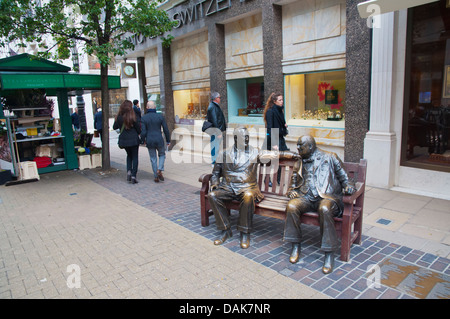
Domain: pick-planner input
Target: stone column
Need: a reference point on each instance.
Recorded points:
(216, 47)
(357, 104)
(273, 48)
(165, 82)
(380, 141)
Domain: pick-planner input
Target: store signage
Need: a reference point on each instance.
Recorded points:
(200, 10)
(192, 13)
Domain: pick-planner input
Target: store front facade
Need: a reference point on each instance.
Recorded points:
(245, 50)
(407, 144)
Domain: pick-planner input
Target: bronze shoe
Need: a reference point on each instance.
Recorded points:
(295, 253)
(160, 175)
(245, 240)
(224, 236)
(328, 263)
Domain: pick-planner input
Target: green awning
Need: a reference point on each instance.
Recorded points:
(24, 71)
(70, 81)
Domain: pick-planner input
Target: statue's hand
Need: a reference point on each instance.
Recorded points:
(293, 194)
(349, 190)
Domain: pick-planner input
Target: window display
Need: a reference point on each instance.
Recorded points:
(316, 97)
(246, 100)
(427, 99)
(190, 105)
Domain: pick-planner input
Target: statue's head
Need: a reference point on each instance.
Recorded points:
(241, 137)
(306, 145)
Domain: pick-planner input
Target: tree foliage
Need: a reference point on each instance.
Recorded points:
(100, 25)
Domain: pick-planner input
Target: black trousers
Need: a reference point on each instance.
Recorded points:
(218, 199)
(326, 208)
(132, 159)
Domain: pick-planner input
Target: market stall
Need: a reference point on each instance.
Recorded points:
(30, 90)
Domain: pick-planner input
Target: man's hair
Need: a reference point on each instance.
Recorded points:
(214, 95)
(151, 105)
(135, 102)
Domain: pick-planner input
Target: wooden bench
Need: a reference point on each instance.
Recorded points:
(348, 226)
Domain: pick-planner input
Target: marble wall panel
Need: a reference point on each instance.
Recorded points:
(190, 60)
(152, 70)
(312, 29)
(244, 48)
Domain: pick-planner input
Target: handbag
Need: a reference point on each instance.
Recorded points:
(206, 125)
(118, 140)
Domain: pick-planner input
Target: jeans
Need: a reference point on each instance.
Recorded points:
(216, 145)
(154, 158)
(132, 159)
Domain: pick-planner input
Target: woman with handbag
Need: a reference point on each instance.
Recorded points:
(129, 137)
(275, 125)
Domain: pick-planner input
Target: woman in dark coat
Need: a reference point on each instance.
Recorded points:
(275, 125)
(129, 137)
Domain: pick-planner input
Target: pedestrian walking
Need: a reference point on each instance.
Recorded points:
(151, 124)
(98, 122)
(126, 122)
(276, 127)
(217, 119)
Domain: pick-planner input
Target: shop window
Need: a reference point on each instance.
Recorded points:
(116, 97)
(426, 125)
(315, 99)
(190, 105)
(246, 100)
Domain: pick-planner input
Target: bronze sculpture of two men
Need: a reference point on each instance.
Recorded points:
(318, 183)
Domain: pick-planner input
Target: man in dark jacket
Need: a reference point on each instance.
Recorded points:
(98, 122)
(151, 124)
(219, 126)
(137, 110)
(318, 184)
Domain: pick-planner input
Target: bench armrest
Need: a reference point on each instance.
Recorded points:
(350, 199)
(204, 178)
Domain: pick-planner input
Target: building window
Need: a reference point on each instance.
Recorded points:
(116, 97)
(190, 105)
(426, 125)
(246, 100)
(315, 99)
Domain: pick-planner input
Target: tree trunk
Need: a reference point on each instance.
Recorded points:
(106, 163)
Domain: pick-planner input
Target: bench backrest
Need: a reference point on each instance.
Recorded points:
(268, 173)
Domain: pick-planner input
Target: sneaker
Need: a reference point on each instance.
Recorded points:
(134, 180)
(129, 176)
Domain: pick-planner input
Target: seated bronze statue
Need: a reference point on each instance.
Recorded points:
(234, 177)
(318, 184)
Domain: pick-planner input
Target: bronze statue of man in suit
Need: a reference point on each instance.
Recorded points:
(318, 184)
(234, 177)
